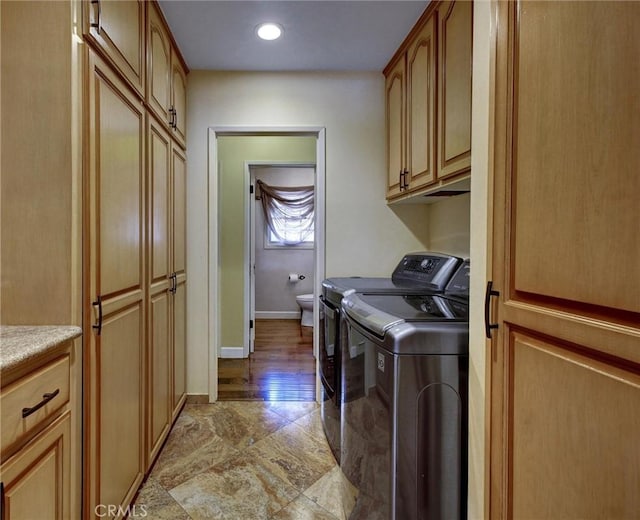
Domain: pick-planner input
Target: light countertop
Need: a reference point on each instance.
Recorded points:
(24, 347)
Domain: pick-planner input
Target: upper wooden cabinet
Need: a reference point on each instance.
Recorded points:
(117, 29)
(455, 34)
(159, 65)
(166, 76)
(396, 127)
(179, 99)
(428, 102)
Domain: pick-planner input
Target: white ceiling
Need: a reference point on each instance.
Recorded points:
(319, 35)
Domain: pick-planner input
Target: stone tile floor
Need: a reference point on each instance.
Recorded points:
(246, 460)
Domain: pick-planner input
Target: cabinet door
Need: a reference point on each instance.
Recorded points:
(117, 28)
(421, 107)
(565, 377)
(159, 347)
(455, 35)
(179, 99)
(37, 478)
(114, 348)
(159, 65)
(179, 172)
(395, 116)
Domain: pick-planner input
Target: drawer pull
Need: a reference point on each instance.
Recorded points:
(26, 412)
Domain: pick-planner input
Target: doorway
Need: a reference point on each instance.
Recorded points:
(227, 303)
(277, 272)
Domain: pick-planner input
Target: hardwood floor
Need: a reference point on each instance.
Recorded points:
(281, 368)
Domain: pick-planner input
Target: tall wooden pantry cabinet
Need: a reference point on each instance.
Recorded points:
(135, 274)
(564, 360)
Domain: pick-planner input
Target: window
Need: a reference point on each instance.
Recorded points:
(289, 213)
(296, 231)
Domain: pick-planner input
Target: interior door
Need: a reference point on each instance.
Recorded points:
(565, 358)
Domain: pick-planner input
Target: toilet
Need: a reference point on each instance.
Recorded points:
(305, 301)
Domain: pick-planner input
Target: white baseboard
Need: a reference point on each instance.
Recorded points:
(277, 315)
(232, 352)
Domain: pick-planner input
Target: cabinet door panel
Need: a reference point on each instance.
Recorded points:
(118, 28)
(114, 353)
(36, 479)
(118, 158)
(574, 413)
(179, 98)
(179, 347)
(159, 203)
(159, 65)
(179, 169)
(454, 103)
(395, 115)
(578, 130)
(421, 106)
(159, 372)
(119, 398)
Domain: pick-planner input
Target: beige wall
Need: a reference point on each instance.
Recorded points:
(363, 235)
(449, 225)
(233, 151)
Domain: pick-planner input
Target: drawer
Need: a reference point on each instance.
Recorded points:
(39, 395)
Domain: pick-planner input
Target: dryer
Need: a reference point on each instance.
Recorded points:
(404, 412)
(431, 272)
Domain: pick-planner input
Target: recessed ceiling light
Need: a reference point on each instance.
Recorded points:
(269, 31)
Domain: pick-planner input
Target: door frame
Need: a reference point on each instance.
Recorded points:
(214, 302)
(250, 242)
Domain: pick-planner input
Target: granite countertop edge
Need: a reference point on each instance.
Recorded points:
(22, 346)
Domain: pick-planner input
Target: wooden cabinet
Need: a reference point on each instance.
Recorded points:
(135, 277)
(167, 256)
(179, 270)
(166, 83)
(428, 102)
(116, 28)
(564, 371)
(396, 128)
(179, 99)
(36, 480)
(39, 412)
(455, 35)
(115, 346)
(410, 114)
(159, 74)
(421, 105)
(159, 287)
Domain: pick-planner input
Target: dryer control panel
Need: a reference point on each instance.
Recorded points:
(429, 270)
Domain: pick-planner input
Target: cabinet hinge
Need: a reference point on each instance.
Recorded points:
(250, 188)
(250, 324)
